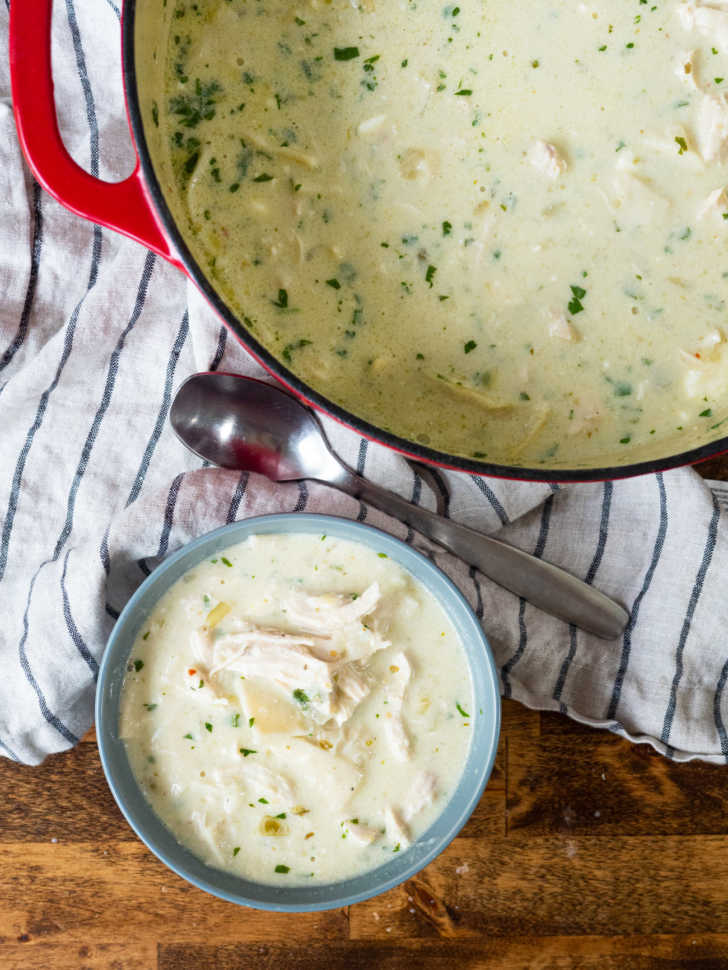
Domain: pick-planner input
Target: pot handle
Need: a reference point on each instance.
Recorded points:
(122, 206)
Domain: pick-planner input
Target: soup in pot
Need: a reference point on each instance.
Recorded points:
(497, 229)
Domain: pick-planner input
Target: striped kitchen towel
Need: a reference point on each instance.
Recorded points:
(96, 333)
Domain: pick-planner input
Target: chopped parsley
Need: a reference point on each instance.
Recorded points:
(235, 720)
(575, 305)
(301, 696)
(208, 726)
(225, 561)
(281, 868)
(282, 301)
(460, 710)
(246, 751)
(138, 664)
(151, 707)
(344, 54)
(236, 850)
(251, 721)
(470, 346)
(263, 177)
(430, 274)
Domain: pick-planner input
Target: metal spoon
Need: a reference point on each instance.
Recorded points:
(237, 422)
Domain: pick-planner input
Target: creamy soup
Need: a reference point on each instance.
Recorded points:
(497, 228)
(297, 709)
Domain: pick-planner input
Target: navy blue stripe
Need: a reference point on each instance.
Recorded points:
(71, 625)
(694, 597)
(634, 615)
(162, 415)
(85, 85)
(169, 515)
(590, 576)
(238, 497)
(114, 8)
(360, 468)
(47, 713)
(105, 402)
(11, 754)
(523, 632)
(37, 243)
(443, 490)
(114, 614)
(485, 488)
(222, 341)
(478, 593)
(719, 722)
(43, 405)
(104, 551)
(415, 499)
(302, 497)
(554, 487)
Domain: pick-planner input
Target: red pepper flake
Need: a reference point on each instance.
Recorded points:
(698, 356)
(192, 671)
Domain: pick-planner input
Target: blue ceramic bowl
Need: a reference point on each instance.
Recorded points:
(397, 869)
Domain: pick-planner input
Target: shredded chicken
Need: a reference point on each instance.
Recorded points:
(362, 834)
(547, 159)
(324, 614)
(393, 723)
(260, 779)
(397, 831)
(420, 796)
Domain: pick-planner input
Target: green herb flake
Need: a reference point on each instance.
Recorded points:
(263, 177)
(263, 801)
(430, 275)
(226, 562)
(301, 696)
(281, 815)
(707, 413)
(189, 737)
(344, 54)
(283, 869)
(682, 145)
(334, 284)
(460, 710)
(236, 850)
(208, 726)
(383, 555)
(235, 719)
(282, 301)
(470, 346)
(463, 92)
(446, 228)
(151, 707)
(138, 664)
(251, 721)
(246, 751)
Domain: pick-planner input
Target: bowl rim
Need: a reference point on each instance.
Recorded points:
(318, 400)
(301, 522)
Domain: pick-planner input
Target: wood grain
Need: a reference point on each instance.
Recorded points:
(585, 853)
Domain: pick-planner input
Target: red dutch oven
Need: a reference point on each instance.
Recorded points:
(137, 208)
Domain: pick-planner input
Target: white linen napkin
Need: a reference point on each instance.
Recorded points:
(95, 335)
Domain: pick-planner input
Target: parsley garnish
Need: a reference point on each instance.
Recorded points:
(282, 301)
(469, 346)
(344, 54)
(301, 696)
(236, 850)
(226, 562)
(281, 868)
(246, 751)
(236, 720)
(263, 178)
(575, 304)
(430, 274)
(460, 710)
(208, 726)
(138, 664)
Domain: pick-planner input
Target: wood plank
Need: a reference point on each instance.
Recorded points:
(66, 798)
(116, 892)
(518, 886)
(599, 784)
(535, 953)
(101, 956)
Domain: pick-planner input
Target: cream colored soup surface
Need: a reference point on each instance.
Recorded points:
(495, 228)
(297, 709)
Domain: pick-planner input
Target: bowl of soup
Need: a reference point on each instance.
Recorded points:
(296, 712)
(489, 235)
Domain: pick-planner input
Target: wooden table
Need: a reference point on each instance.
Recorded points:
(585, 853)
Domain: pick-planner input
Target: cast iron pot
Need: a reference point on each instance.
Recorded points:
(137, 208)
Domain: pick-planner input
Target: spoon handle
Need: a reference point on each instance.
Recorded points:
(546, 586)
